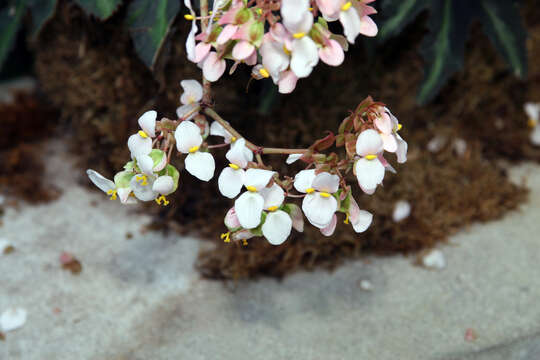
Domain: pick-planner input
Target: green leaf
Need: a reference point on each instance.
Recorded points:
(149, 22)
(443, 48)
(502, 23)
(10, 22)
(100, 8)
(398, 14)
(42, 11)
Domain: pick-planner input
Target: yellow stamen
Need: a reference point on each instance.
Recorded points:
(371, 157)
(325, 194)
(189, 17)
(226, 237)
(310, 9)
(399, 126)
(286, 51)
(310, 190)
(259, 11)
(142, 179)
(346, 221)
(531, 123)
(244, 242)
(142, 134)
(346, 6)
(251, 188)
(233, 139)
(164, 199)
(112, 193)
(193, 149)
(273, 208)
(264, 73)
(299, 35)
(234, 166)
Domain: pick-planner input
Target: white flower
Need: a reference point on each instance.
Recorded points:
(360, 219)
(231, 179)
(216, 129)
(12, 319)
(368, 169)
(188, 141)
(293, 158)
(141, 142)
(278, 224)
(318, 205)
(190, 42)
(402, 210)
(250, 204)
(190, 99)
(213, 66)
(533, 112)
(110, 188)
(298, 20)
(353, 15)
(142, 187)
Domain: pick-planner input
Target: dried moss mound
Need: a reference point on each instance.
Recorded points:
(482, 104)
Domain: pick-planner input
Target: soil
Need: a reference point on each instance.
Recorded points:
(89, 70)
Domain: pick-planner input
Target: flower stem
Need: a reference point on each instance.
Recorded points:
(256, 149)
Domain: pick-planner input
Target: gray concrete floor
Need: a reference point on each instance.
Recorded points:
(140, 298)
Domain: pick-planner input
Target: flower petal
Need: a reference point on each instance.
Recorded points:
(237, 153)
(201, 165)
(186, 112)
(369, 174)
(139, 146)
(332, 54)
(230, 182)
(146, 164)
(402, 210)
(287, 82)
(143, 192)
(293, 158)
(330, 228)
(248, 208)
(304, 56)
(318, 209)
(292, 12)
(258, 178)
(326, 182)
(226, 34)
(213, 67)
(389, 142)
(242, 50)
(216, 129)
(100, 181)
(368, 27)
(190, 42)
(304, 180)
(363, 221)
(369, 142)
(193, 92)
(402, 148)
(274, 58)
(352, 26)
(187, 135)
(123, 195)
(273, 196)
(277, 227)
(147, 122)
(231, 220)
(163, 185)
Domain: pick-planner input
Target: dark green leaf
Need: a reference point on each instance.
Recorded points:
(502, 23)
(398, 14)
(42, 11)
(149, 22)
(100, 8)
(10, 21)
(443, 48)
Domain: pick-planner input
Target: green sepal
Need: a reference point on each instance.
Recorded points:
(157, 156)
(256, 32)
(243, 16)
(123, 178)
(321, 21)
(345, 203)
(130, 165)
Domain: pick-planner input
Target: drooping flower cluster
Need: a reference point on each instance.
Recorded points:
(263, 200)
(282, 40)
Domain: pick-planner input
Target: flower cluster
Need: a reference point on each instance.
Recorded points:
(263, 200)
(282, 40)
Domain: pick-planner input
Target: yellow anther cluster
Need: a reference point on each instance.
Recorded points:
(346, 6)
(264, 73)
(233, 139)
(299, 35)
(346, 221)
(371, 157)
(142, 179)
(112, 193)
(142, 134)
(286, 51)
(226, 237)
(310, 190)
(273, 208)
(259, 11)
(163, 199)
(189, 17)
(531, 123)
(251, 188)
(325, 194)
(244, 242)
(399, 126)
(234, 166)
(193, 149)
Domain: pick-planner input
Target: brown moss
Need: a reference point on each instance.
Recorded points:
(447, 192)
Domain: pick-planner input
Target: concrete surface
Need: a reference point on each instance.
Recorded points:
(140, 298)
